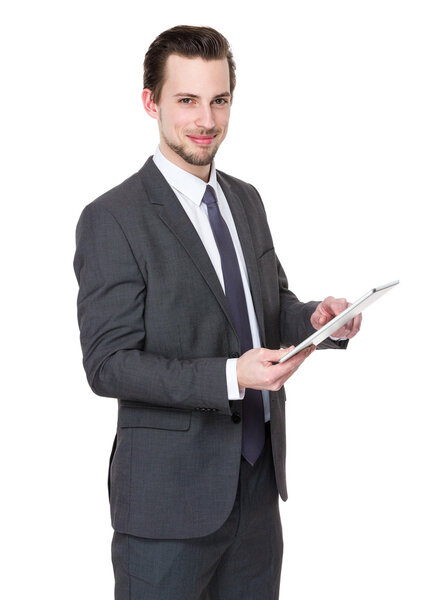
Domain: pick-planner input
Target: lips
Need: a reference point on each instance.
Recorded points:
(202, 140)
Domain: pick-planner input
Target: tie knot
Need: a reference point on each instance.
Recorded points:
(209, 196)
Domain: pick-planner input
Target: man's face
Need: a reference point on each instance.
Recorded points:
(193, 111)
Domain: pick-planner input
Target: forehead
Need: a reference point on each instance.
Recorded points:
(196, 76)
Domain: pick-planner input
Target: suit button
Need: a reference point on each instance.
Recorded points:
(234, 355)
(236, 417)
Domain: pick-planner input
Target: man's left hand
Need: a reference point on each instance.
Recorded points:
(330, 308)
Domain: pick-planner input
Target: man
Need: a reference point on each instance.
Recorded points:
(183, 311)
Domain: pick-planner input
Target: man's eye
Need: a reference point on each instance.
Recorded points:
(220, 101)
(186, 100)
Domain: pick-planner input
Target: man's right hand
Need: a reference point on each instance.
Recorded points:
(256, 368)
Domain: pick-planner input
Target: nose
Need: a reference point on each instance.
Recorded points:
(205, 118)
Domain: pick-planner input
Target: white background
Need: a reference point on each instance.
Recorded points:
(333, 121)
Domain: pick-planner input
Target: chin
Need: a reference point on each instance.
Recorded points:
(198, 159)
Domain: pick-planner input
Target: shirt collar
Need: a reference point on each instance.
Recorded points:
(184, 182)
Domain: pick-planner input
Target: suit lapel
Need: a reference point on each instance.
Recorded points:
(245, 237)
(175, 218)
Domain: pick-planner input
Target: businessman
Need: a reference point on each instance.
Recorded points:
(184, 311)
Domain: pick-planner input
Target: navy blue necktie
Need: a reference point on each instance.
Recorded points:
(253, 432)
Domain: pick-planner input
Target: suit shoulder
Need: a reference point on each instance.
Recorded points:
(234, 181)
(243, 189)
(128, 205)
(240, 185)
(120, 197)
(123, 203)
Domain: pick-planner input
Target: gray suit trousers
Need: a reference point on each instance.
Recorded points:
(240, 561)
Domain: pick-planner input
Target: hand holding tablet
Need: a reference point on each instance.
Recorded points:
(328, 309)
(344, 317)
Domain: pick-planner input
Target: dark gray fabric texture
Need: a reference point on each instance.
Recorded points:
(253, 410)
(240, 561)
(156, 332)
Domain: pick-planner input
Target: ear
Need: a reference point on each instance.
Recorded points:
(149, 105)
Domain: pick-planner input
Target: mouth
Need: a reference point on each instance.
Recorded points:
(202, 140)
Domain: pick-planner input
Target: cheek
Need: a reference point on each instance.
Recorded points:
(223, 120)
(180, 124)
(171, 120)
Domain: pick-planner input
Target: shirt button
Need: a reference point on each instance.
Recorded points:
(236, 418)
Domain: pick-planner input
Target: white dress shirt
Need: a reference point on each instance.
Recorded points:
(189, 190)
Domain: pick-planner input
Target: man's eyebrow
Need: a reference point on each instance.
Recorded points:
(188, 95)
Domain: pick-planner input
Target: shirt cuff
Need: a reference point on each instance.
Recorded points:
(234, 392)
(337, 339)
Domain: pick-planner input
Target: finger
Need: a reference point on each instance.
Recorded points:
(347, 328)
(338, 305)
(296, 360)
(352, 327)
(356, 326)
(273, 356)
(335, 306)
(281, 370)
(340, 333)
(326, 310)
(295, 363)
(323, 319)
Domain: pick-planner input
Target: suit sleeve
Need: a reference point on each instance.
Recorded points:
(295, 324)
(295, 317)
(111, 303)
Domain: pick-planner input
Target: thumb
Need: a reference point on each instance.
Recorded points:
(275, 355)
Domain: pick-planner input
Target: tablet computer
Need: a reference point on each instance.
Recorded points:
(349, 313)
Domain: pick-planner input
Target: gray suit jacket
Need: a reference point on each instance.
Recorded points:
(156, 333)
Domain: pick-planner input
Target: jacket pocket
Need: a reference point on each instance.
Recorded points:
(154, 417)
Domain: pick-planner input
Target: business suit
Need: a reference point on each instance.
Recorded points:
(156, 333)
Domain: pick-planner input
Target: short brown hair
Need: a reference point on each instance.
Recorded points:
(189, 41)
